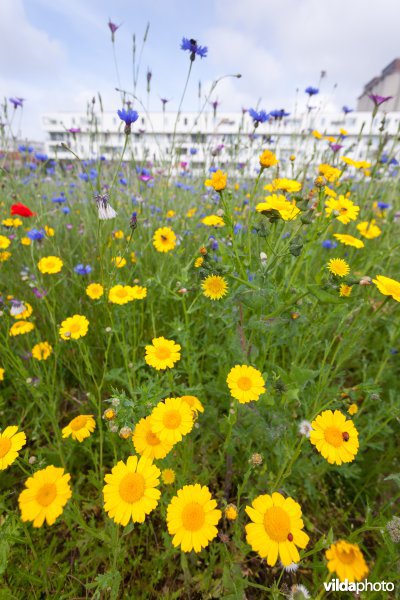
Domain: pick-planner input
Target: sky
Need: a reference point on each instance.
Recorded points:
(58, 55)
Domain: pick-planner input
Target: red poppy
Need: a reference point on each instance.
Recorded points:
(21, 210)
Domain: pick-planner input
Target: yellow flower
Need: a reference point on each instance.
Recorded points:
(94, 291)
(74, 327)
(331, 174)
(349, 240)
(171, 420)
(276, 529)
(168, 476)
(131, 490)
(164, 239)
(50, 264)
(213, 221)
(21, 327)
(353, 409)
(317, 134)
(147, 443)
(345, 290)
(347, 561)
(170, 214)
(339, 267)
(191, 212)
(214, 287)
(335, 438)
(109, 414)
(25, 241)
(192, 517)
(12, 222)
(120, 294)
(388, 287)
(4, 256)
(218, 181)
(287, 210)
(79, 428)
(369, 230)
(343, 209)
(49, 231)
(231, 512)
(11, 443)
(245, 383)
(285, 185)
(194, 403)
(41, 351)
(268, 159)
(199, 262)
(139, 292)
(4, 242)
(162, 354)
(2, 371)
(133, 258)
(26, 313)
(47, 493)
(118, 235)
(119, 261)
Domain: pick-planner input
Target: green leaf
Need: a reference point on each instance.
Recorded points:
(322, 295)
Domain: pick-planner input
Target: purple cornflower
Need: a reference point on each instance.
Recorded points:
(378, 100)
(35, 234)
(336, 147)
(128, 116)
(258, 116)
(192, 46)
(82, 269)
(17, 102)
(347, 110)
(74, 130)
(149, 75)
(133, 221)
(311, 91)
(113, 28)
(164, 102)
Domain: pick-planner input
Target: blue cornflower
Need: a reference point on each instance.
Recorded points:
(41, 157)
(383, 205)
(193, 47)
(258, 116)
(58, 200)
(213, 243)
(128, 116)
(193, 151)
(347, 110)
(329, 244)
(35, 234)
(66, 210)
(311, 91)
(82, 269)
(278, 114)
(237, 227)
(84, 176)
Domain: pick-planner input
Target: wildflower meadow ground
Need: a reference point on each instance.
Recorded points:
(199, 372)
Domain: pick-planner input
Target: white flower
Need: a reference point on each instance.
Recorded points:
(292, 568)
(299, 592)
(305, 428)
(263, 258)
(17, 308)
(105, 209)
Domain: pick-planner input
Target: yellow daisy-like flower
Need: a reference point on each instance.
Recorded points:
(118, 261)
(162, 354)
(25, 314)
(218, 181)
(48, 491)
(349, 240)
(231, 512)
(49, 231)
(199, 262)
(369, 229)
(4, 256)
(11, 443)
(168, 476)
(287, 210)
(317, 134)
(338, 266)
(213, 221)
(25, 241)
(20, 328)
(276, 529)
(12, 222)
(192, 517)
(347, 561)
(335, 438)
(164, 239)
(147, 443)
(41, 351)
(345, 290)
(80, 428)
(133, 258)
(4, 242)
(388, 287)
(353, 409)
(2, 371)
(191, 212)
(120, 294)
(245, 383)
(172, 419)
(343, 209)
(268, 159)
(284, 185)
(331, 174)
(118, 235)
(74, 327)
(50, 265)
(131, 490)
(214, 287)
(94, 291)
(139, 292)
(194, 403)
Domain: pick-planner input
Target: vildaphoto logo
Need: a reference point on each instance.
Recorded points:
(335, 585)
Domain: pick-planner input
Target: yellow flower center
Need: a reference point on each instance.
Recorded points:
(346, 557)
(152, 439)
(131, 488)
(163, 353)
(74, 327)
(122, 293)
(333, 436)
(78, 423)
(5, 445)
(193, 516)
(277, 523)
(172, 419)
(244, 383)
(46, 494)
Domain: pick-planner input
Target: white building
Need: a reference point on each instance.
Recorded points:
(226, 138)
